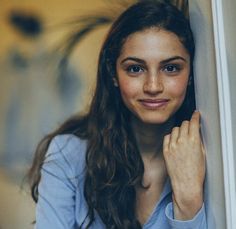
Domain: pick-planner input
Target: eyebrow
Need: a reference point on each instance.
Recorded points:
(162, 62)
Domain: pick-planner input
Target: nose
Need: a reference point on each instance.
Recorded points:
(153, 84)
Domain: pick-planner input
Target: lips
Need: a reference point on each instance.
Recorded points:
(154, 103)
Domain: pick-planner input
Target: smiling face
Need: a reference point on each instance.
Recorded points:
(152, 74)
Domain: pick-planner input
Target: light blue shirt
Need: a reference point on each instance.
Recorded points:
(61, 203)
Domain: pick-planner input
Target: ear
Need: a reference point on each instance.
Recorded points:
(115, 82)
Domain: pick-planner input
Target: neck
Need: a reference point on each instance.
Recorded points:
(150, 137)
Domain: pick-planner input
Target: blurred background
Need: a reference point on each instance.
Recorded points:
(48, 58)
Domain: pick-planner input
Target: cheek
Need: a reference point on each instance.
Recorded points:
(178, 87)
(127, 91)
(129, 88)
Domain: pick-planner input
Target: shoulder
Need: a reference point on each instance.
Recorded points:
(60, 189)
(67, 152)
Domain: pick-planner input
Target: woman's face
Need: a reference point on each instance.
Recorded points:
(152, 74)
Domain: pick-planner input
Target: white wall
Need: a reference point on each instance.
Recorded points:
(215, 70)
(207, 103)
(229, 9)
(225, 46)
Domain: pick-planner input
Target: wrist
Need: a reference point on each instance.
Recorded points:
(186, 206)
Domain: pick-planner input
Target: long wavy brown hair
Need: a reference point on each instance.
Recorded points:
(113, 163)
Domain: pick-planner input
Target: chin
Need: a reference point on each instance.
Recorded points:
(154, 119)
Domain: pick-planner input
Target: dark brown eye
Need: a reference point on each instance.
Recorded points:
(171, 68)
(134, 69)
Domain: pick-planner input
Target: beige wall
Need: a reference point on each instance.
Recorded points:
(30, 103)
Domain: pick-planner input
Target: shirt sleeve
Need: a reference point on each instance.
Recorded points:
(55, 208)
(197, 222)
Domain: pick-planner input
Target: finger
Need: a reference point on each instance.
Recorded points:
(174, 134)
(184, 129)
(194, 124)
(166, 143)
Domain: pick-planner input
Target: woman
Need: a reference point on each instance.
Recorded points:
(133, 161)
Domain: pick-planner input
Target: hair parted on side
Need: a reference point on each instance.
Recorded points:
(113, 163)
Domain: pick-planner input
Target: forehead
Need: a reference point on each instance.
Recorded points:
(153, 41)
